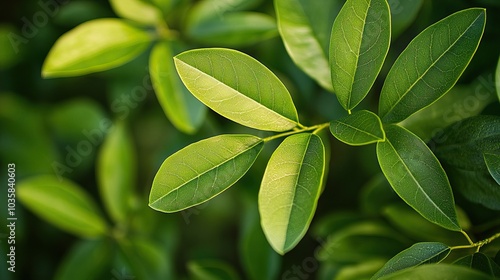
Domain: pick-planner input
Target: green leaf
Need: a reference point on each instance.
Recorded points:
(137, 10)
(461, 147)
(363, 270)
(481, 262)
(116, 172)
(497, 79)
(211, 270)
(146, 259)
(408, 221)
(94, 46)
(376, 195)
(240, 88)
(359, 43)
(234, 29)
(184, 111)
(259, 260)
(371, 240)
(431, 64)
(290, 190)
(418, 254)
(438, 271)
(417, 176)
(305, 28)
(62, 203)
(493, 164)
(403, 13)
(86, 260)
(202, 170)
(209, 9)
(359, 128)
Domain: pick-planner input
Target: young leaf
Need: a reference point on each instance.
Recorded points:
(234, 29)
(238, 87)
(290, 190)
(63, 204)
(431, 64)
(184, 111)
(305, 28)
(86, 260)
(137, 10)
(371, 240)
(359, 43)
(360, 128)
(418, 254)
(116, 172)
(202, 170)
(438, 271)
(493, 164)
(417, 176)
(94, 46)
(480, 262)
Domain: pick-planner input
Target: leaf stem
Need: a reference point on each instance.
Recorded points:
(467, 236)
(315, 128)
(478, 244)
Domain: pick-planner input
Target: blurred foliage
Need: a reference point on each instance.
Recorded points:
(59, 128)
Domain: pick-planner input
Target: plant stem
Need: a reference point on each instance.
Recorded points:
(302, 128)
(467, 236)
(478, 244)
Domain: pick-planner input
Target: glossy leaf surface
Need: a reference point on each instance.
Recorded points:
(290, 190)
(116, 172)
(431, 64)
(359, 128)
(184, 111)
(63, 204)
(481, 262)
(418, 254)
(202, 170)
(237, 87)
(438, 271)
(305, 27)
(417, 176)
(493, 164)
(359, 43)
(94, 46)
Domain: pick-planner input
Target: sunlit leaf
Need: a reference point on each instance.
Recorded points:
(116, 172)
(86, 260)
(237, 87)
(480, 262)
(305, 28)
(234, 29)
(371, 240)
(211, 270)
(63, 204)
(359, 43)
(418, 254)
(94, 46)
(417, 176)
(403, 13)
(438, 271)
(363, 270)
(137, 10)
(184, 111)
(431, 64)
(493, 164)
(359, 128)
(202, 170)
(290, 190)
(209, 9)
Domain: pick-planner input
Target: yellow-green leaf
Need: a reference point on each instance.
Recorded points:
(359, 128)
(137, 10)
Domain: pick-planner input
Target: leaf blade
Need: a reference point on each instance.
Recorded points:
(63, 204)
(175, 186)
(137, 11)
(359, 43)
(94, 46)
(493, 164)
(184, 111)
(417, 254)
(309, 50)
(359, 128)
(409, 164)
(422, 74)
(290, 190)
(249, 93)
(438, 271)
